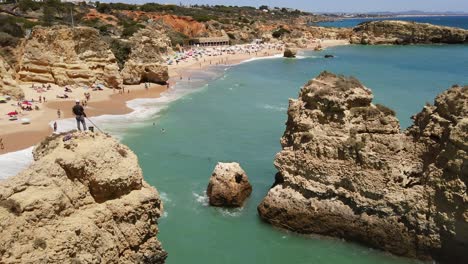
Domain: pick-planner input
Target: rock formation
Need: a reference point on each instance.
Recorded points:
(346, 170)
(146, 63)
(80, 202)
(289, 53)
(402, 32)
(8, 85)
(66, 56)
(229, 185)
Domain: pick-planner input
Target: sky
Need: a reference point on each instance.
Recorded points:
(335, 5)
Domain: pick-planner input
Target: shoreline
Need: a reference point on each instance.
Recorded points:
(113, 103)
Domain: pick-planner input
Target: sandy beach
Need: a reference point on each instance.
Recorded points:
(16, 136)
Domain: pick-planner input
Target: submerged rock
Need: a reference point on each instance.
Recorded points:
(346, 170)
(403, 32)
(328, 56)
(82, 201)
(229, 185)
(289, 53)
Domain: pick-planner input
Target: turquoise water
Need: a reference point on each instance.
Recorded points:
(240, 117)
(450, 21)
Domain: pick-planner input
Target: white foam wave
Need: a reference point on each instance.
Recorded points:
(143, 110)
(276, 56)
(14, 162)
(234, 212)
(202, 199)
(165, 214)
(275, 108)
(164, 197)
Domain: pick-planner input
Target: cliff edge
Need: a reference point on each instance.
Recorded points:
(346, 170)
(82, 201)
(403, 32)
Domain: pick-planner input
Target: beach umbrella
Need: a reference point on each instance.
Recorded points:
(12, 113)
(26, 103)
(3, 100)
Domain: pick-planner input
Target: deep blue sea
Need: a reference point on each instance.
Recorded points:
(238, 114)
(450, 21)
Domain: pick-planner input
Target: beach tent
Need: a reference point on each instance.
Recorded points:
(3, 100)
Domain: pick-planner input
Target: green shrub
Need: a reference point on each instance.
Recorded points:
(7, 40)
(280, 32)
(386, 110)
(177, 38)
(204, 18)
(121, 50)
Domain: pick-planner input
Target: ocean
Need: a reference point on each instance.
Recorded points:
(450, 21)
(238, 114)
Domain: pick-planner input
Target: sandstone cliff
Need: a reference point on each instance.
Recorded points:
(346, 170)
(402, 32)
(146, 63)
(8, 85)
(80, 202)
(65, 56)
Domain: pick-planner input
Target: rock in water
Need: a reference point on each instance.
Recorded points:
(229, 185)
(403, 32)
(329, 56)
(82, 201)
(288, 53)
(346, 170)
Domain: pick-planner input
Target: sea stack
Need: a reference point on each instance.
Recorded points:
(81, 201)
(347, 171)
(289, 53)
(229, 186)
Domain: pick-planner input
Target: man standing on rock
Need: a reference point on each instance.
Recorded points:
(80, 115)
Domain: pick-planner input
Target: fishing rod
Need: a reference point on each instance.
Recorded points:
(94, 125)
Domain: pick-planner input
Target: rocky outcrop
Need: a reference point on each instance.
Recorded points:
(80, 202)
(289, 53)
(402, 32)
(346, 170)
(8, 85)
(146, 63)
(67, 56)
(229, 185)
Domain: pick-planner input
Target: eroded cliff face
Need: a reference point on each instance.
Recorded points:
(80, 202)
(146, 63)
(346, 170)
(8, 85)
(65, 56)
(402, 32)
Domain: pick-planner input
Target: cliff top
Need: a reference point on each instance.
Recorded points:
(83, 199)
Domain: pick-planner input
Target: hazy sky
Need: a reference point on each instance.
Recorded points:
(336, 5)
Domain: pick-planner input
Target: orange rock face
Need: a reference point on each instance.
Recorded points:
(183, 24)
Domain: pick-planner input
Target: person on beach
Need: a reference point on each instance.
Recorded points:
(80, 115)
(55, 126)
(58, 113)
(2, 147)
